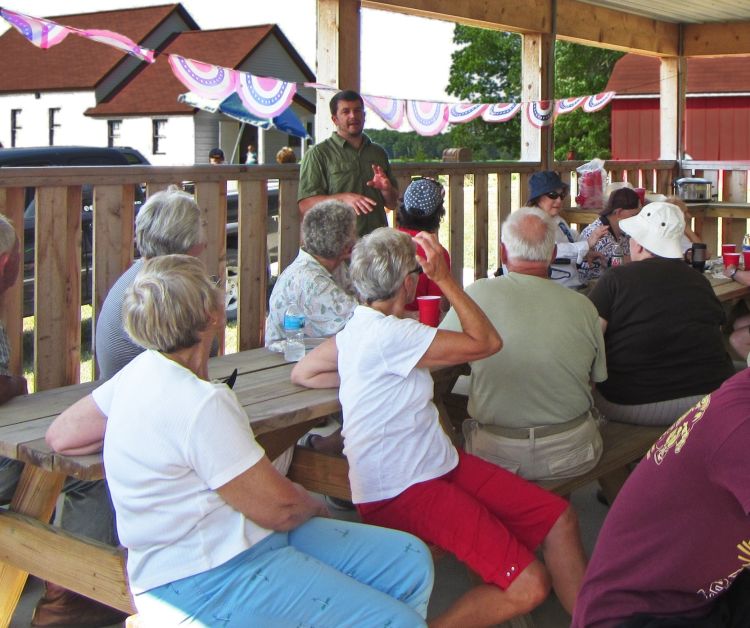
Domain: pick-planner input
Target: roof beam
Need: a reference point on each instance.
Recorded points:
(576, 21)
(715, 39)
(597, 26)
(530, 16)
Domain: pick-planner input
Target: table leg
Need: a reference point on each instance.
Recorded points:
(35, 496)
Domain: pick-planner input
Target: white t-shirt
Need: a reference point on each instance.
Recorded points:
(392, 435)
(171, 440)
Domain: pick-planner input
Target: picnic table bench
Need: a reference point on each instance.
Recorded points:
(279, 412)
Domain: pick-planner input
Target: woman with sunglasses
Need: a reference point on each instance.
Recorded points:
(423, 210)
(622, 203)
(547, 191)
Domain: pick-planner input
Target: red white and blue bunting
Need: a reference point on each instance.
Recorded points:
(269, 97)
(390, 110)
(426, 117)
(206, 80)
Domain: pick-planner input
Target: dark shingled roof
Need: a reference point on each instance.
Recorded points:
(154, 90)
(77, 63)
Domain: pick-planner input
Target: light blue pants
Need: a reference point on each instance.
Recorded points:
(323, 573)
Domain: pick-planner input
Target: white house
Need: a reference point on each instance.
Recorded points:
(81, 92)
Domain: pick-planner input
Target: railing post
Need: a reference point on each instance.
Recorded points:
(57, 287)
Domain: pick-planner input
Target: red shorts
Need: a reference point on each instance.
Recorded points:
(489, 518)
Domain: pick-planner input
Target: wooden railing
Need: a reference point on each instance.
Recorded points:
(479, 196)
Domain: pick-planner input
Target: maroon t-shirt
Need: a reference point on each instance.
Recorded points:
(425, 286)
(678, 533)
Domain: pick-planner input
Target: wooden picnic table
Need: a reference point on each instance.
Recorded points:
(279, 412)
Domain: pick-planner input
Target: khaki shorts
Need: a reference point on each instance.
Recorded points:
(562, 455)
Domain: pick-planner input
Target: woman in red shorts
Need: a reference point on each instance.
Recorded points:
(404, 471)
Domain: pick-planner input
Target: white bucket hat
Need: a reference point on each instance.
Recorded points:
(658, 228)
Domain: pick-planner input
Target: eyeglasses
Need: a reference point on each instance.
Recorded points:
(555, 195)
(418, 270)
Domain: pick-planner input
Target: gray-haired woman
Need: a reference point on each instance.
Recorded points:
(215, 535)
(404, 472)
(317, 281)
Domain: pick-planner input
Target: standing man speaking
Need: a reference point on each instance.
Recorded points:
(348, 167)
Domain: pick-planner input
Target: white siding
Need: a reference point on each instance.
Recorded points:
(34, 119)
(178, 147)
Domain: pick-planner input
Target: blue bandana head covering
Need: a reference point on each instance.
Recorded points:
(423, 197)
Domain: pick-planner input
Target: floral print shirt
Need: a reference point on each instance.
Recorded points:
(326, 299)
(606, 245)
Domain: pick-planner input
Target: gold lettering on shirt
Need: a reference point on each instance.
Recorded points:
(676, 436)
(719, 586)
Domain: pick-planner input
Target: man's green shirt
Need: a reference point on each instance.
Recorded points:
(335, 166)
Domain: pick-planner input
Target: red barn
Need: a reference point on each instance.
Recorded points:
(717, 127)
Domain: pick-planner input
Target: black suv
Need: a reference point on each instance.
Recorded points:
(66, 156)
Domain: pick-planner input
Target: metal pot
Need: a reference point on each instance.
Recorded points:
(692, 189)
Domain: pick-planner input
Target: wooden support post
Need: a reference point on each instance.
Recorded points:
(289, 222)
(536, 84)
(456, 224)
(112, 252)
(57, 287)
(481, 226)
(212, 200)
(672, 79)
(11, 305)
(252, 263)
(337, 55)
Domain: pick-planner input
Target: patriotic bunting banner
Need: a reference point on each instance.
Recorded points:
(566, 105)
(41, 33)
(208, 81)
(265, 97)
(427, 118)
(540, 113)
(390, 110)
(597, 101)
(268, 97)
(119, 41)
(501, 112)
(462, 112)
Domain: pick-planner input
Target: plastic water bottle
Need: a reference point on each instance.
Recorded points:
(746, 243)
(294, 329)
(617, 256)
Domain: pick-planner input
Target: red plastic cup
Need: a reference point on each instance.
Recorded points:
(746, 256)
(728, 248)
(731, 259)
(429, 310)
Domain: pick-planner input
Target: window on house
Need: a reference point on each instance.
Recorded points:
(293, 141)
(157, 136)
(113, 132)
(15, 125)
(54, 123)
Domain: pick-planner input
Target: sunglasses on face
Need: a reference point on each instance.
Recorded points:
(417, 270)
(555, 195)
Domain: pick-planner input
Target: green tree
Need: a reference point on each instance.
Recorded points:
(487, 68)
(582, 70)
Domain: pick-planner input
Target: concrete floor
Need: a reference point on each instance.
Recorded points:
(451, 578)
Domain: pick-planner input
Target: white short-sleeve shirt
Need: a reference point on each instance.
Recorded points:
(392, 435)
(171, 440)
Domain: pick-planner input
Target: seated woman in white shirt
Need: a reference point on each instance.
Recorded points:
(547, 191)
(404, 471)
(214, 534)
